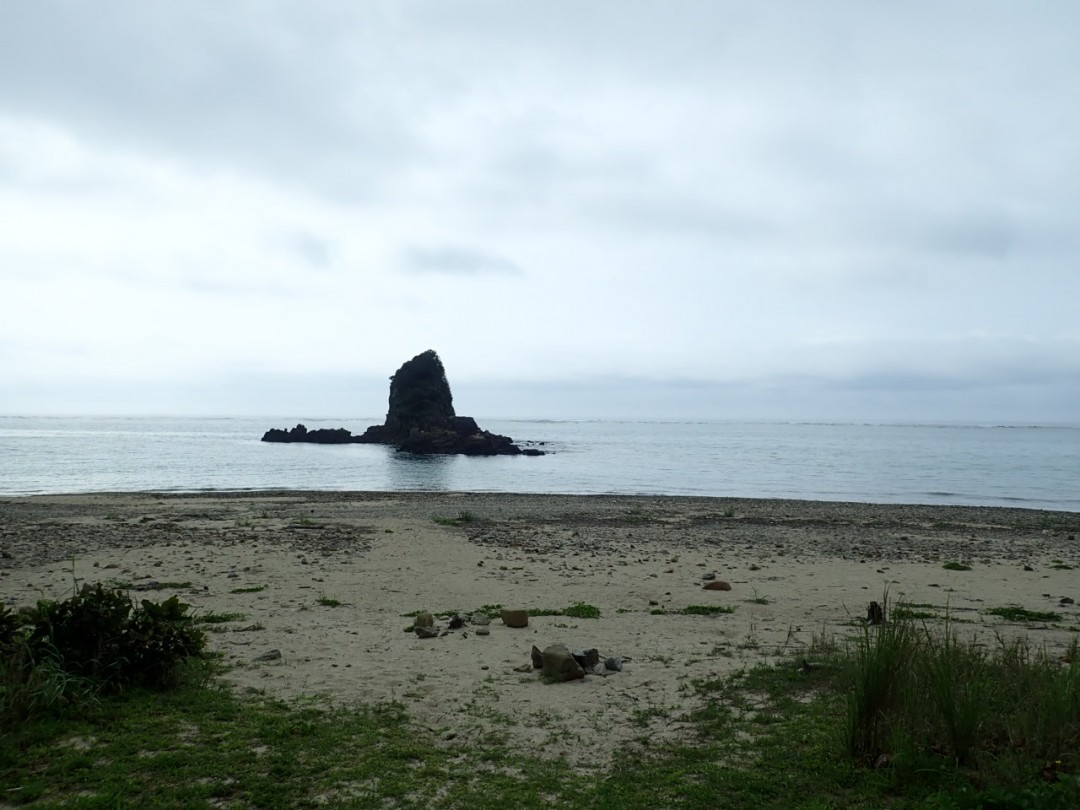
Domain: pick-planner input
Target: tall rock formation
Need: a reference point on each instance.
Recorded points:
(421, 419)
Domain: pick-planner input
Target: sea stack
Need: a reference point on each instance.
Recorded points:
(421, 419)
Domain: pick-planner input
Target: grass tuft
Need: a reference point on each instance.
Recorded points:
(1013, 613)
(952, 565)
(464, 518)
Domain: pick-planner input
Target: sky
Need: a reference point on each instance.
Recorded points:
(716, 209)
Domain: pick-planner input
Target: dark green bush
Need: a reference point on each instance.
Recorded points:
(99, 634)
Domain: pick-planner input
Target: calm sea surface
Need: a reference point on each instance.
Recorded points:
(1025, 466)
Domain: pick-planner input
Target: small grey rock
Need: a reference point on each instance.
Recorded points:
(709, 575)
(272, 655)
(480, 619)
(614, 664)
(483, 630)
(423, 631)
(424, 620)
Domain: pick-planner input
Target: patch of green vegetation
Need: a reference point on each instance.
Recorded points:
(757, 599)
(150, 585)
(1014, 613)
(219, 618)
(464, 518)
(898, 717)
(952, 565)
(705, 610)
(1061, 565)
(638, 517)
(657, 612)
(252, 589)
(99, 641)
(582, 611)
(642, 717)
(328, 601)
(905, 614)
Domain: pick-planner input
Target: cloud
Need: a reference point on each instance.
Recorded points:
(719, 192)
(457, 261)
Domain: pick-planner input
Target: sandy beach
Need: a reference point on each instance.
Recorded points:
(329, 581)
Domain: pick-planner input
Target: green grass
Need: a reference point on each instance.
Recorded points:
(705, 610)
(151, 585)
(1013, 613)
(898, 717)
(464, 518)
(582, 611)
(578, 611)
(252, 589)
(219, 618)
(952, 565)
(329, 601)
(907, 614)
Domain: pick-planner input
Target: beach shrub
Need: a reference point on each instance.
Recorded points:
(101, 635)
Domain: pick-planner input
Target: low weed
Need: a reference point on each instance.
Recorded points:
(705, 610)
(464, 518)
(1014, 613)
(219, 618)
(582, 611)
(952, 565)
(252, 589)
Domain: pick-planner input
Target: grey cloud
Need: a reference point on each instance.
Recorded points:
(277, 93)
(316, 251)
(457, 261)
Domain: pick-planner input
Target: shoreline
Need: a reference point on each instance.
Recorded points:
(328, 578)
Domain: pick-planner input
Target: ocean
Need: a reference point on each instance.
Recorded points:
(986, 465)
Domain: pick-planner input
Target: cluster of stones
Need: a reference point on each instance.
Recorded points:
(425, 627)
(557, 662)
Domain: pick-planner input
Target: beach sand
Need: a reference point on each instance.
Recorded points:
(283, 561)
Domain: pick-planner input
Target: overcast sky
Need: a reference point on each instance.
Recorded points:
(720, 209)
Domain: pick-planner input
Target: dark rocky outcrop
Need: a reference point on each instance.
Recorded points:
(318, 436)
(420, 419)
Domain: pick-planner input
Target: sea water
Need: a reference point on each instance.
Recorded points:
(1007, 465)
